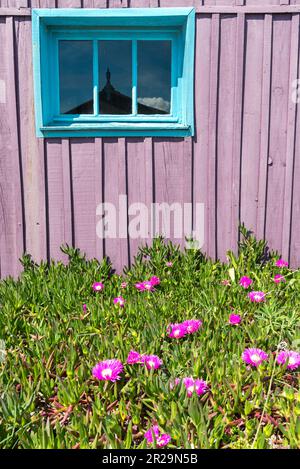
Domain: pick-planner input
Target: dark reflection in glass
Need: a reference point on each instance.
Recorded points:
(76, 77)
(115, 77)
(154, 77)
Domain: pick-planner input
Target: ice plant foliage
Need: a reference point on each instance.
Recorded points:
(257, 296)
(254, 356)
(245, 282)
(98, 286)
(234, 319)
(281, 263)
(108, 370)
(290, 357)
(162, 439)
(119, 300)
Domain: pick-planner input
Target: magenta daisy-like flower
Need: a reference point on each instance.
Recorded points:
(108, 370)
(254, 356)
(234, 319)
(257, 296)
(175, 383)
(154, 281)
(279, 278)
(84, 307)
(148, 285)
(98, 286)
(152, 362)
(245, 282)
(134, 357)
(178, 330)
(123, 284)
(199, 386)
(281, 263)
(140, 286)
(169, 264)
(162, 439)
(119, 300)
(290, 357)
(192, 325)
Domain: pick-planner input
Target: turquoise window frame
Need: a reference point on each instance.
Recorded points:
(49, 26)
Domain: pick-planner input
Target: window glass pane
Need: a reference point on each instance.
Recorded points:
(76, 77)
(115, 77)
(154, 77)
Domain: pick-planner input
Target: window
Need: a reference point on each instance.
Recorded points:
(118, 72)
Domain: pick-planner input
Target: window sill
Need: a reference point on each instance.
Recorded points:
(115, 129)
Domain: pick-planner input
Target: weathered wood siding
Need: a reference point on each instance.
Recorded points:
(243, 162)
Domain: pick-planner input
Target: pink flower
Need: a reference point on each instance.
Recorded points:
(152, 362)
(225, 282)
(290, 357)
(175, 383)
(98, 286)
(154, 281)
(140, 286)
(84, 307)
(148, 285)
(119, 300)
(254, 356)
(246, 282)
(134, 357)
(281, 263)
(123, 284)
(257, 296)
(279, 278)
(108, 370)
(201, 386)
(162, 439)
(169, 264)
(234, 319)
(176, 331)
(195, 385)
(192, 325)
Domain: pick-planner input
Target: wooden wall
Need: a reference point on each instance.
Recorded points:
(243, 162)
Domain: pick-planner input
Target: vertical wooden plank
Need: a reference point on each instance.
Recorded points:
(69, 3)
(85, 188)
(94, 3)
(115, 185)
(237, 129)
(173, 182)
(212, 126)
(117, 3)
(32, 148)
(278, 130)
(265, 126)
(225, 143)
(98, 173)
(59, 196)
(11, 214)
(295, 240)
(291, 129)
(252, 120)
(202, 109)
(140, 185)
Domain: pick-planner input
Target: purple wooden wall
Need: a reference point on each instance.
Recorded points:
(243, 162)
